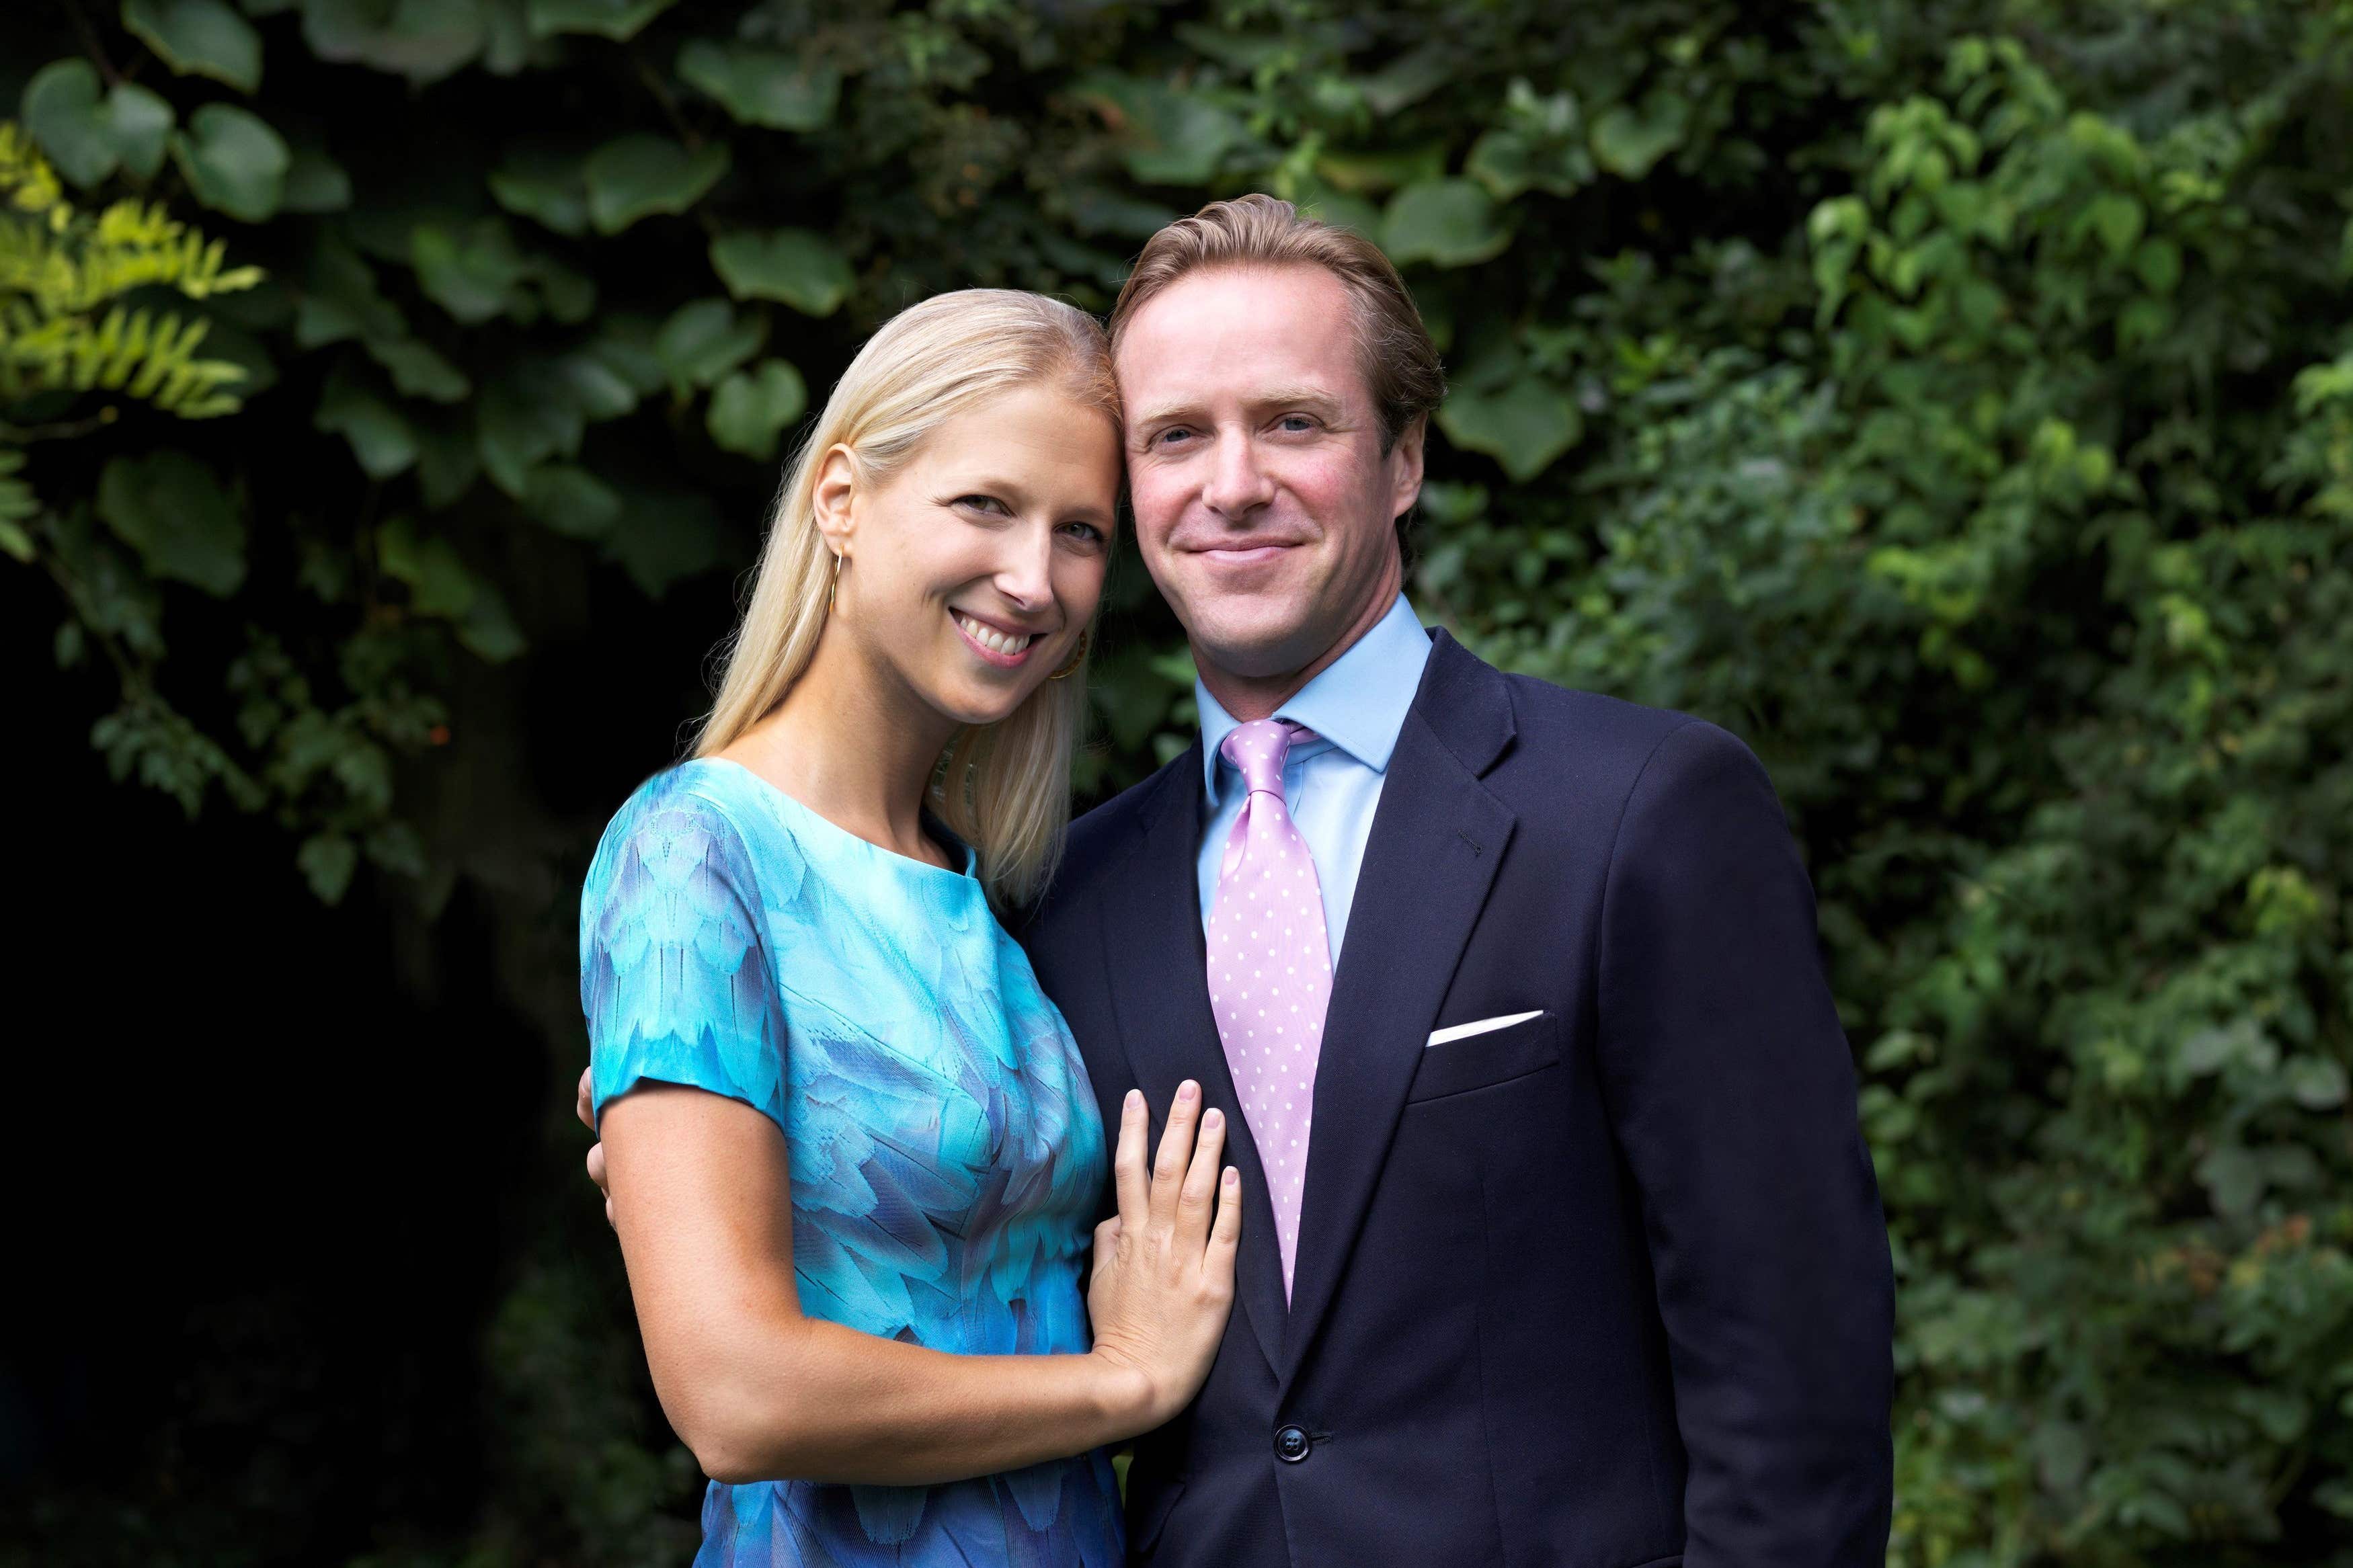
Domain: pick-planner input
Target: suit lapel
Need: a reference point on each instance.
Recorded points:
(1435, 842)
(1160, 992)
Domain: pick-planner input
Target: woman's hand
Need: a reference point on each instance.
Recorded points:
(1163, 1268)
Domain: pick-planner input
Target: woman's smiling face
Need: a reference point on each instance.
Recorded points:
(973, 570)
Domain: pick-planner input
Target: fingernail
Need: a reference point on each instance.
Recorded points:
(1135, 1098)
(1213, 1118)
(1187, 1089)
(1233, 1177)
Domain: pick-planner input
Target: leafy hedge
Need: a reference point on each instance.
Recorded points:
(1956, 399)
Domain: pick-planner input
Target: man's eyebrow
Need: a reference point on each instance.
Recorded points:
(1161, 412)
(1302, 395)
(1294, 396)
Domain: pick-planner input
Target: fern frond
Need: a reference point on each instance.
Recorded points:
(60, 267)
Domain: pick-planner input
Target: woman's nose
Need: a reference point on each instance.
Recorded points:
(1025, 574)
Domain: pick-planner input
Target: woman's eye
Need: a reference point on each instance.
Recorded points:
(984, 503)
(1085, 531)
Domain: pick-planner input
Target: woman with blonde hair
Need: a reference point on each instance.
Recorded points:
(852, 1150)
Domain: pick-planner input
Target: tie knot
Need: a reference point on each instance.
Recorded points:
(1257, 750)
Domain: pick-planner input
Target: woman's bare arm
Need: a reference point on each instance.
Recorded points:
(700, 1194)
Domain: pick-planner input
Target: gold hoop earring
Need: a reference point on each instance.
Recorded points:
(1077, 657)
(834, 592)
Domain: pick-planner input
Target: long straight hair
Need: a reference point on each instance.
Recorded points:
(1004, 787)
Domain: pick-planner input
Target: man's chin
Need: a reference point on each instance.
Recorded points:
(1252, 648)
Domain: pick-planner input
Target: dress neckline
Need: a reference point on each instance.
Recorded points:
(940, 831)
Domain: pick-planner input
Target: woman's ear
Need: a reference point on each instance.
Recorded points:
(832, 499)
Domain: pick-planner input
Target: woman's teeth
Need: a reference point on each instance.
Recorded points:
(991, 638)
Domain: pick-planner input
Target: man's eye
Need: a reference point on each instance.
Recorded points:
(1297, 423)
(1174, 433)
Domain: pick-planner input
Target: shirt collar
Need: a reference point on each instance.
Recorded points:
(1359, 702)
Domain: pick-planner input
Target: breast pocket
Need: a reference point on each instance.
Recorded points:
(1485, 1059)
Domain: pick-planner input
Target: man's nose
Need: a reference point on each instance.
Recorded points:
(1239, 484)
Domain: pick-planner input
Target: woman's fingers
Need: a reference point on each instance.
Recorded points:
(1127, 1160)
(1226, 1235)
(1201, 1179)
(583, 1104)
(1176, 1152)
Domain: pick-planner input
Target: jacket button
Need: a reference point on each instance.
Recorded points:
(1290, 1444)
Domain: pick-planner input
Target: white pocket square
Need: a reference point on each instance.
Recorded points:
(1464, 1031)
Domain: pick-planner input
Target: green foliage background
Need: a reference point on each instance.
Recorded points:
(1953, 398)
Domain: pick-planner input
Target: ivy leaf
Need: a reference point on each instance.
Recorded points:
(139, 123)
(171, 509)
(198, 37)
(441, 586)
(1523, 425)
(638, 175)
(423, 40)
(624, 349)
(763, 86)
(233, 161)
(380, 437)
(1452, 223)
(1507, 162)
(418, 371)
(521, 421)
(449, 460)
(1628, 139)
(327, 861)
(590, 383)
(472, 275)
(751, 407)
(60, 108)
(704, 341)
(87, 137)
(801, 269)
(1318, 198)
(1411, 78)
(340, 300)
(547, 187)
(1168, 137)
(617, 19)
(316, 183)
(18, 502)
(663, 537)
(571, 501)
(2317, 1083)
(1371, 173)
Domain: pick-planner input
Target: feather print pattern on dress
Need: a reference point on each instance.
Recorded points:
(945, 1154)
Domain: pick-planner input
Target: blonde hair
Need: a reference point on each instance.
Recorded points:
(1394, 351)
(1004, 787)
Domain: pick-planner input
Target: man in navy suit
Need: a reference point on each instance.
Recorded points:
(1579, 1260)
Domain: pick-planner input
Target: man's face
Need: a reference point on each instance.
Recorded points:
(1264, 506)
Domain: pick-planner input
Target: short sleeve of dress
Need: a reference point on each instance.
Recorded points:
(675, 978)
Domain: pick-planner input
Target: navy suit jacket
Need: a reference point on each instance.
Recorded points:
(1606, 1288)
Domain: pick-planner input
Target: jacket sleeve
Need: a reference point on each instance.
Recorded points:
(1732, 1090)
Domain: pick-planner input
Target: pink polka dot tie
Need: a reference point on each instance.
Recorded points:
(1271, 970)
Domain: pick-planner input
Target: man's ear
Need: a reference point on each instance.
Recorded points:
(833, 498)
(1404, 465)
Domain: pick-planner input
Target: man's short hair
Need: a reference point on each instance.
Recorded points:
(1393, 348)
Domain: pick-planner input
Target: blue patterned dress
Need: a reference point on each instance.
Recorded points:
(944, 1149)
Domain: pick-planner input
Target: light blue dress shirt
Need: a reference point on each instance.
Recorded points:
(1333, 783)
